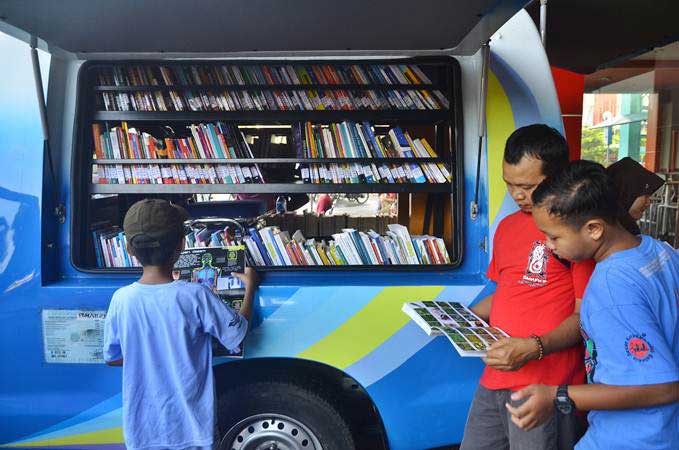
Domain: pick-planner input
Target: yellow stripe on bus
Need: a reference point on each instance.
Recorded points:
(368, 328)
(108, 436)
(500, 124)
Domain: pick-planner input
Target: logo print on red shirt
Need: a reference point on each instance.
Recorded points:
(536, 271)
(638, 348)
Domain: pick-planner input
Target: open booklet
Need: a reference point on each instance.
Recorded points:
(212, 266)
(469, 334)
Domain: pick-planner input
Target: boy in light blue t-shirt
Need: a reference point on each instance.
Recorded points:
(160, 331)
(629, 318)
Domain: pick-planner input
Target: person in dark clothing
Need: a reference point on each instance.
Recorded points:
(635, 185)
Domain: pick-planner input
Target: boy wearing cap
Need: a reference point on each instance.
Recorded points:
(160, 331)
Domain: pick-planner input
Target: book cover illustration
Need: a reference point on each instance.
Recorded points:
(212, 266)
(469, 334)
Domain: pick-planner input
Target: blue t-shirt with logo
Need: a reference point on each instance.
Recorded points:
(163, 333)
(630, 319)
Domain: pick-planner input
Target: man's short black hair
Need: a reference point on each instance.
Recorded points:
(541, 142)
(580, 192)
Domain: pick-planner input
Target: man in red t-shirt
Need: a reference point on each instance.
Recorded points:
(536, 302)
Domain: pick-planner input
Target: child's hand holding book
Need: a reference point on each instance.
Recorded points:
(249, 277)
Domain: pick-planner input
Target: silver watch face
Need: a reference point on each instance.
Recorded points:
(563, 404)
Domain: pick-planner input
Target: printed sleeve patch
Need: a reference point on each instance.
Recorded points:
(638, 348)
(235, 321)
(590, 355)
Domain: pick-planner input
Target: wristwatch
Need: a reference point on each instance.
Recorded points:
(563, 402)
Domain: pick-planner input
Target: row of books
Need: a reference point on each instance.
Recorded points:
(208, 141)
(110, 248)
(111, 251)
(244, 75)
(356, 140)
(176, 174)
(211, 100)
(270, 246)
(357, 173)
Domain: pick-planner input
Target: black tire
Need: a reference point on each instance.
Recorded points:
(238, 407)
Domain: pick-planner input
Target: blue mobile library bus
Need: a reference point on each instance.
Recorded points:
(130, 98)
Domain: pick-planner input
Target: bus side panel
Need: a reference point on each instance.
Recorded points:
(420, 386)
(21, 153)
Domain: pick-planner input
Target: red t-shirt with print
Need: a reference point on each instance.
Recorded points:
(535, 293)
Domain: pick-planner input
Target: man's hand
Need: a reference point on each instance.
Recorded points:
(511, 353)
(249, 278)
(536, 410)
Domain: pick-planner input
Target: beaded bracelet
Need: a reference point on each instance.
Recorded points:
(540, 347)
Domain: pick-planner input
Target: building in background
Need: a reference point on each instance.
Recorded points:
(632, 109)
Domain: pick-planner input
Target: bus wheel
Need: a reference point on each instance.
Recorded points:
(280, 416)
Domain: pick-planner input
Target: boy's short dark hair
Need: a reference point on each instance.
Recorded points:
(580, 192)
(154, 228)
(541, 142)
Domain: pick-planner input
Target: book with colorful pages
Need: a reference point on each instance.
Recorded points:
(469, 334)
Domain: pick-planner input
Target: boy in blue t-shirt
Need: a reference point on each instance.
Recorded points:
(161, 329)
(629, 319)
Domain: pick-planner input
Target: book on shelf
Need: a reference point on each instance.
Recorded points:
(469, 334)
(269, 74)
(110, 248)
(212, 267)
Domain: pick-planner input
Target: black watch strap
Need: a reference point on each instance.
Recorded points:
(563, 402)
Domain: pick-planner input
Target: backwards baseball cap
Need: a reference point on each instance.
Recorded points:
(150, 223)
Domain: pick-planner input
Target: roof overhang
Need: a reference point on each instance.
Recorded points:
(91, 29)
